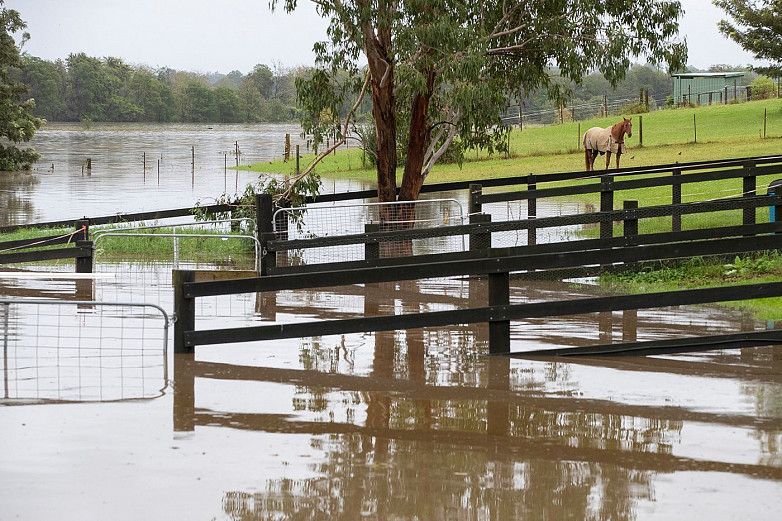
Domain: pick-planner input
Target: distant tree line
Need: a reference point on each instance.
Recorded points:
(84, 88)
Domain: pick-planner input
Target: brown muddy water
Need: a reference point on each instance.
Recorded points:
(101, 421)
(417, 424)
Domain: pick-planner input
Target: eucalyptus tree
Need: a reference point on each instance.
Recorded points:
(444, 69)
(17, 122)
(756, 25)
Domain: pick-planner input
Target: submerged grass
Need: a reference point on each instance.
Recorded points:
(701, 273)
(152, 246)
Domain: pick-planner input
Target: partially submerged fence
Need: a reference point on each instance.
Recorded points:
(56, 350)
(76, 247)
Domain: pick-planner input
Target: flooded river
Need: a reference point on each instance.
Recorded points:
(100, 420)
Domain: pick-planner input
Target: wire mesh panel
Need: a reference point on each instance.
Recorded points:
(82, 350)
(314, 221)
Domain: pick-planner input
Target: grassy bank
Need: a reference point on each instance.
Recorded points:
(701, 273)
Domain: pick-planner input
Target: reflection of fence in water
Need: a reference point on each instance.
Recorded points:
(347, 219)
(82, 350)
(151, 282)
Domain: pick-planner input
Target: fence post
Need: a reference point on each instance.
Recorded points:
(184, 310)
(473, 203)
(372, 249)
(480, 240)
(532, 210)
(749, 189)
(264, 211)
(83, 230)
(630, 219)
(84, 264)
(606, 205)
(640, 131)
(676, 198)
(499, 295)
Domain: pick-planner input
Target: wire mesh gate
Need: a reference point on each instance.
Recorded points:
(312, 221)
(79, 351)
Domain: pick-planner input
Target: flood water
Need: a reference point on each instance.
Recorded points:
(101, 421)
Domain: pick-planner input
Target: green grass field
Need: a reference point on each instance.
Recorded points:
(724, 131)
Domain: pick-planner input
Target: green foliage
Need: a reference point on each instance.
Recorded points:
(460, 62)
(17, 122)
(285, 195)
(754, 24)
(87, 89)
(763, 87)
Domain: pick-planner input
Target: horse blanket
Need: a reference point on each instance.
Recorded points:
(600, 140)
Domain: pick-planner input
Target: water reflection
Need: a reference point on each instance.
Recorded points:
(423, 424)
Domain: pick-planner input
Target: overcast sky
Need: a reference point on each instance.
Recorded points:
(223, 35)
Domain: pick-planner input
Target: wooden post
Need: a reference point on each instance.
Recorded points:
(606, 205)
(236, 152)
(192, 157)
(84, 264)
(521, 116)
(83, 225)
(144, 162)
(480, 240)
(532, 210)
(695, 128)
(264, 211)
(605, 105)
(631, 220)
(371, 249)
(726, 95)
(749, 189)
(765, 119)
(184, 310)
(499, 331)
(676, 198)
(286, 152)
(298, 156)
(225, 173)
(473, 205)
(158, 171)
(640, 131)
(646, 98)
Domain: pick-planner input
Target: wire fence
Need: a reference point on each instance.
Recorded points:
(314, 221)
(82, 351)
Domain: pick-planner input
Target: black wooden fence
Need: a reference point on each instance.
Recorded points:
(77, 247)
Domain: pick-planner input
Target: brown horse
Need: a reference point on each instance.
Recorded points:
(606, 141)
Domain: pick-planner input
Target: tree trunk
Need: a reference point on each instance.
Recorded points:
(412, 180)
(385, 128)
